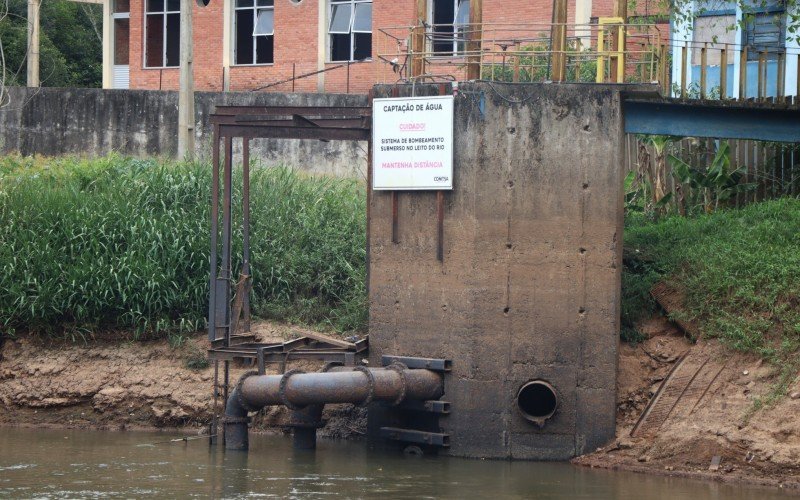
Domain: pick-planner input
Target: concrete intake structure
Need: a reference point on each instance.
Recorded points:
(306, 393)
(525, 300)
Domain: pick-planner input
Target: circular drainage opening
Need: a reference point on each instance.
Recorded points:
(537, 401)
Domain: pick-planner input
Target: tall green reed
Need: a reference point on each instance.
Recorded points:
(120, 243)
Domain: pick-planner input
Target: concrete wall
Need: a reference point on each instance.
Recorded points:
(93, 122)
(530, 283)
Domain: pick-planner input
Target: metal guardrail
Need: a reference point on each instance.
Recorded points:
(609, 51)
(708, 55)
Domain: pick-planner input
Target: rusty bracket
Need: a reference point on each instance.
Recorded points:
(433, 406)
(437, 365)
(395, 203)
(440, 226)
(414, 436)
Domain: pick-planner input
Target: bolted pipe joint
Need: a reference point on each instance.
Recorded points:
(236, 419)
(306, 393)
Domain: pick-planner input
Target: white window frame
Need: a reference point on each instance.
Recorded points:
(163, 14)
(255, 9)
(351, 31)
(458, 38)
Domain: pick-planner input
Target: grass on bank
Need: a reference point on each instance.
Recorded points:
(120, 243)
(739, 270)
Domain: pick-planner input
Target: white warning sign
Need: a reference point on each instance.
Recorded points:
(412, 143)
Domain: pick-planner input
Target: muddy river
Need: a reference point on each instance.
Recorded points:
(92, 464)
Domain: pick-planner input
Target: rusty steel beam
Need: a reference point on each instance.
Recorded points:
(352, 111)
(294, 132)
(290, 121)
(212, 323)
(246, 231)
(328, 356)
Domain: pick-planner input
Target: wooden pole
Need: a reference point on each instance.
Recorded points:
(743, 74)
(684, 55)
(620, 9)
(475, 45)
(186, 92)
(418, 39)
(558, 41)
(33, 43)
(703, 63)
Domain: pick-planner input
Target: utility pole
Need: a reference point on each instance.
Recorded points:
(33, 43)
(186, 92)
(475, 37)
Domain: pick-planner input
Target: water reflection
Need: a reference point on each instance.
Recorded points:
(69, 464)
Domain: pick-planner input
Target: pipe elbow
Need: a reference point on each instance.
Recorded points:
(236, 420)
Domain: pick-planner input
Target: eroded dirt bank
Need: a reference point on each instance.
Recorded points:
(719, 435)
(127, 385)
(108, 384)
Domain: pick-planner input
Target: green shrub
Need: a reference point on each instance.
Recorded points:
(123, 243)
(738, 268)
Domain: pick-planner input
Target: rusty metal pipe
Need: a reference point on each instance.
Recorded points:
(299, 390)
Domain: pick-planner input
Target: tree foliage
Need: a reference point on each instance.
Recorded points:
(686, 11)
(70, 53)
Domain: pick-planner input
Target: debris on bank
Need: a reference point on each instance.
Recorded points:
(696, 410)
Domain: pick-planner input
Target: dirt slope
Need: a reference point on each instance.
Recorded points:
(755, 446)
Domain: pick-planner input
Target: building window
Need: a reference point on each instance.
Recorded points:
(122, 29)
(764, 29)
(254, 29)
(162, 28)
(350, 30)
(449, 19)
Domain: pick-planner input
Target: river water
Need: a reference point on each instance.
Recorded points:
(93, 464)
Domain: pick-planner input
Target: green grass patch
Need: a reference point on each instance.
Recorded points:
(739, 270)
(121, 243)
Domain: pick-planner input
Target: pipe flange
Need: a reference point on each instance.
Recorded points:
(370, 383)
(282, 389)
(400, 368)
(238, 389)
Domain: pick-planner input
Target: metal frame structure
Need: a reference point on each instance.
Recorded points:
(228, 312)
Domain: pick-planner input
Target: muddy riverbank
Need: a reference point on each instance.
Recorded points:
(112, 385)
(108, 384)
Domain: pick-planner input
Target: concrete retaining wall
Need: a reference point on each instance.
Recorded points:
(94, 122)
(530, 283)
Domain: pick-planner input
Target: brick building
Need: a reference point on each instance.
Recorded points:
(244, 44)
